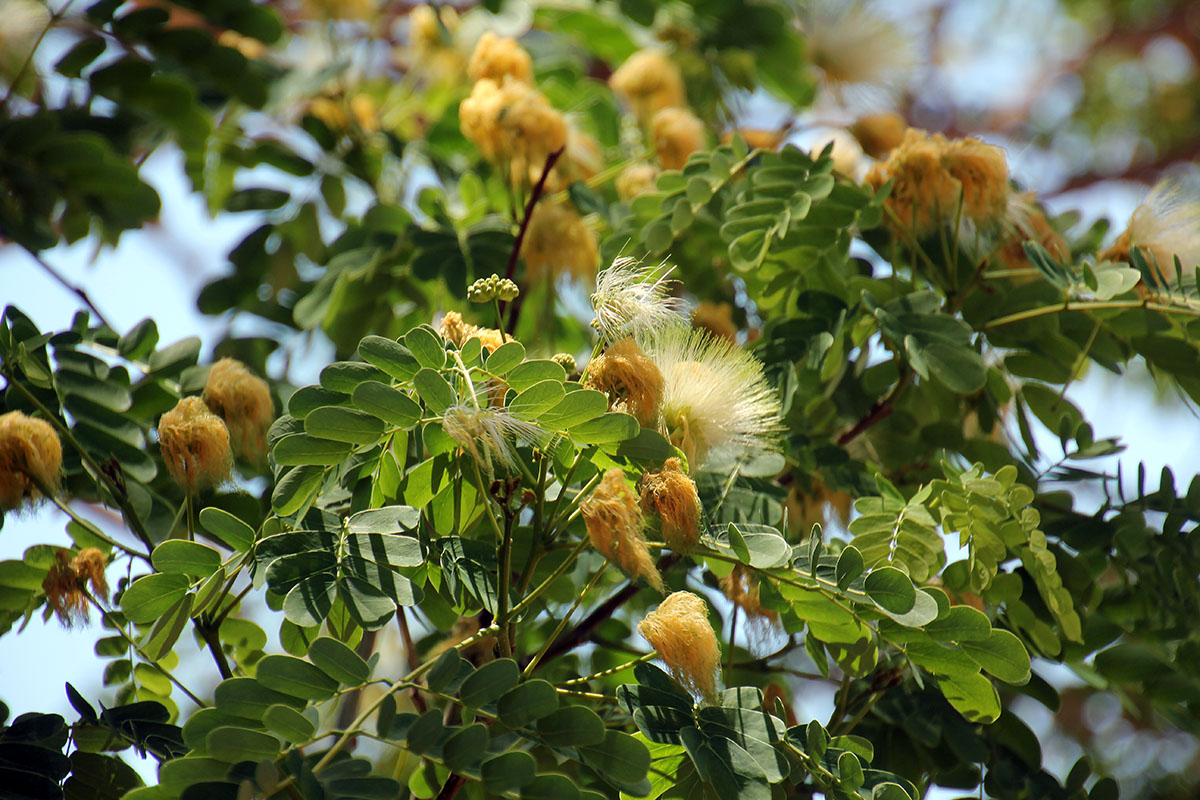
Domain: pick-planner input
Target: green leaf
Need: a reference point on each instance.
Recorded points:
(960, 624)
(508, 772)
(186, 558)
(296, 677)
(1000, 654)
(388, 404)
(527, 374)
(577, 407)
(309, 602)
(619, 758)
(465, 748)
(228, 529)
(343, 376)
(307, 398)
(300, 449)
(527, 703)
(339, 662)
(151, 596)
(489, 682)
(849, 566)
(973, 696)
(427, 347)
(161, 638)
(288, 723)
(249, 698)
(434, 390)
(538, 398)
(610, 428)
(342, 425)
(550, 787)
(572, 726)
(295, 489)
(390, 519)
(368, 604)
(239, 744)
(505, 357)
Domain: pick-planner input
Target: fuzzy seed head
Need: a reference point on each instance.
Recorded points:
(1165, 225)
(488, 435)
(557, 242)
(716, 403)
(680, 632)
(631, 380)
(614, 525)
(195, 445)
(671, 494)
(30, 454)
(243, 401)
(649, 81)
(496, 57)
(64, 584)
(677, 133)
(636, 179)
(632, 299)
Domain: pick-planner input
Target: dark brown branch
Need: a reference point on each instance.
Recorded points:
(538, 189)
(877, 412)
(583, 631)
(450, 787)
(414, 661)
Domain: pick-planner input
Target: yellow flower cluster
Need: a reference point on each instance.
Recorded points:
(65, 584)
(512, 122)
(630, 379)
(671, 494)
(613, 518)
(559, 241)
(651, 83)
(454, 328)
(934, 176)
(243, 401)
(497, 57)
(30, 458)
(680, 632)
(195, 445)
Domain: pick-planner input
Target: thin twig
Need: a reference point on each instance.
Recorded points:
(515, 311)
(877, 412)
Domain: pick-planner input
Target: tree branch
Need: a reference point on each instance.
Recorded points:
(538, 189)
(70, 287)
(877, 412)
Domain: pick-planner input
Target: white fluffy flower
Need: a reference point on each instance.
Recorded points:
(489, 434)
(1165, 226)
(632, 300)
(716, 402)
(854, 45)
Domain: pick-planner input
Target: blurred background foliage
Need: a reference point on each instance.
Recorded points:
(334, 128)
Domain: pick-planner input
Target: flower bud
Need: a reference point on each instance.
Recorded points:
(671, 494)
(30, 457)
(243, 401)
(566, 361)
(632, 382)
(681, 633)
(614, 525)
(195, 445)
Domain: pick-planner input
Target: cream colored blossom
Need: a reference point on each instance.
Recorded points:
(635, 179)
(488, 434)
(496, 57)
(852, 44)
(632, 299)
(1164, 226)
(243, 401)
(680, 632)
(716, 400)
(649, 81)
(677, 133)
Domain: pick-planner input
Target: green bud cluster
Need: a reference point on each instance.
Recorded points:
(491, 288)
(566, 361)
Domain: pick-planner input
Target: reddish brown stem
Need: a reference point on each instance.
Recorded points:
(538, 189)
